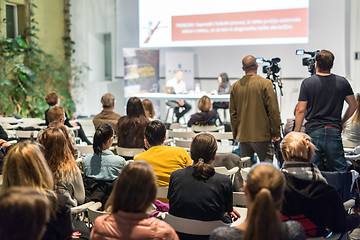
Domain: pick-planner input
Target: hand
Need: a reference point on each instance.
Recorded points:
(235, 215)
(74, 124)
(180, 102)
(275, 139)
(76, 235)
(4, 143)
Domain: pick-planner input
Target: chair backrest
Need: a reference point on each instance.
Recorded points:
(32, 122)
(179, 134)
(224, 170)
(162, 192)
(128, 152)
(244, 172)
(239, 199)
(211, 128)
(183, 143)
(193, 227)
(222, 136)
(27, 134)
(88, 149)
(93, 214)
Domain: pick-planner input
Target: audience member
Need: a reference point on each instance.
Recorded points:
(224, 88)
(24, 214)
(107, 115)
(198, 192)
(131, 127)
(4, 148)
(322, 98)
(67, 176)
(64, 130)
(103, 165)
(307, 192)
(164, 159)
(351, 132)
(149, 109)
(133, 193)
(254, 112)
(25, 166)
(206, 116)
(264, 192)
(52, 99)
(3, 134)
(179, 88)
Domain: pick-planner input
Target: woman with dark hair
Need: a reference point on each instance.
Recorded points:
(103, 165)
(133, 193)
(67, 175)
(351, 132)
(224, 88)
(131, 128)
(198, 192)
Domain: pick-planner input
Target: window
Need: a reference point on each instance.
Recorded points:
(11, 21)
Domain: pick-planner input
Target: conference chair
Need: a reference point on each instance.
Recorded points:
(231, 172)
(128, 153)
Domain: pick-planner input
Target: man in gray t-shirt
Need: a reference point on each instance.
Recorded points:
(321, 101)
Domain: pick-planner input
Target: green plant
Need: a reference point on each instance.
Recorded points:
(28, 73)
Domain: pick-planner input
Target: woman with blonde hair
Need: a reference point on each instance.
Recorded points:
(25, 166)
(149, 109)
(351, 132)
(206, 116)
(134, 191)
(264, 192)
(67, 175)
(307, 192)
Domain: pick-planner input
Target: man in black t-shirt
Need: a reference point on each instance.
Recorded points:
(321, 101)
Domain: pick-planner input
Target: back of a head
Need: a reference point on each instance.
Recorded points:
(155, 132)
(324, 60)
(204, 104)
(55, 114)
(249, 64)
(107, 100)
(224, 78)
(135, 189)
(25, 165)
(51, 98)
(297, 147)
(57, 154)
(265, 185)
(148, 108)
(203, 150)
(102, 134)
(134, 108)
(62, 127)
(24, 213)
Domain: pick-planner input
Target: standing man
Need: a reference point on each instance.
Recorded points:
(321, 101)
(179, 88)
(254, 111)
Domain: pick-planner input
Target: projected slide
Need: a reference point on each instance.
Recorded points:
(170, 23)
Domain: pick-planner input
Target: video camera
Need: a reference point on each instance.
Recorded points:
(272, 68)
(308, 61)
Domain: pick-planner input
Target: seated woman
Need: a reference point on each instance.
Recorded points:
(25, 166)
(149, 109)
(197, 191)
(264, 192)
(351, 132)
(103, 165)
(133, 193)
(131, 128)
(224, 88)
(67, 175)
(24, 214)
(64, 130)
(206, 116)
(307, 192)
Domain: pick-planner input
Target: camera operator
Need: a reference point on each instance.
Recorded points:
(254, 111)
(322, 98)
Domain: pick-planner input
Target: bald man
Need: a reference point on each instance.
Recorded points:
(254, 111)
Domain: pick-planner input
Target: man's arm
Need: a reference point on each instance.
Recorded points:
(299, 115)
(272, 107)
(233, 114)
(351, 108)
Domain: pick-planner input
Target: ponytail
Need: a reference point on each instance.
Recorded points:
(262, 220)
(102, 134)
(203, 170)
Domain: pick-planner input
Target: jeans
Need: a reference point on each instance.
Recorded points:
(328, 144)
